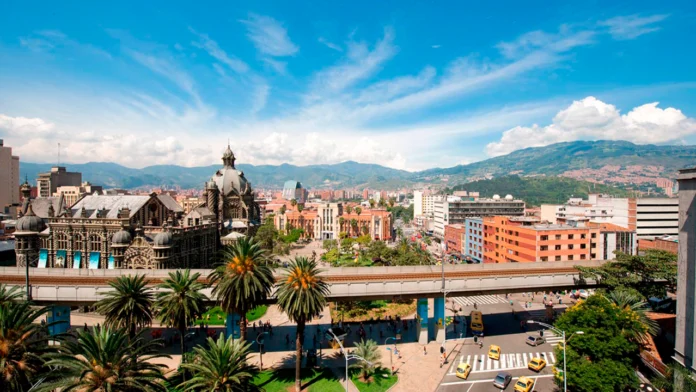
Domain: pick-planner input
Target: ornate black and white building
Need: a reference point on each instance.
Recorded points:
(135, 231)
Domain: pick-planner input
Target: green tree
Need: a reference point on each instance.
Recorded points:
(243, 280)
(10, 295)
(382, 203)
(358, 210)
(347, 243)
(104, 359)
(363, 240)
(180, 301)
(221, 366)
(288, 227)
(23, 346)
(293, 202)
(129, 305)
(349, 209)
(676, 379)
(365, 230)
(603, 358)
(651, 275)
(300, 207)
(354, 224)
(372, 203)
(370, 352)
(633, 303)
(266, 236)
(392, 201)
(341, 221)
(302, 296)
(328, 245)
(282, 209)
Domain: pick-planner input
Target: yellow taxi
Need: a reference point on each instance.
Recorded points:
(536, 364)
(463, 370)
(524, 384)
(494, 352)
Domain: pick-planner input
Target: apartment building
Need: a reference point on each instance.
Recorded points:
(454, 239)
(49, 182)
(524, 239)
(9, 179)
(657, 217)
(473, 249)
(72, 194)
(455, 209)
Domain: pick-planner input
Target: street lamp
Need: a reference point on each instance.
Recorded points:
(391, 361)
(260, 343)
(348, 357)
(563, 336)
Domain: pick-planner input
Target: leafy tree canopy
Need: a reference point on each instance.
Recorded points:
(403, 213)
(601, 359)
(650, 275)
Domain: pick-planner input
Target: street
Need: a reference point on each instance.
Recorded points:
(502, 329)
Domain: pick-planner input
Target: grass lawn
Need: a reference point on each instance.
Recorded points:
(313, 380)
(218, 317)
(380, 383)
(356, 311)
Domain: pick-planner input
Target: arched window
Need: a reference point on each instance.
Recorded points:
(95, 243)
(78, 242)
(61, 241)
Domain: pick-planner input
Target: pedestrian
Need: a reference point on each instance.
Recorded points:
(287, 339)
(381, 333)
(254, 326)
(425, 352)
(441, 361)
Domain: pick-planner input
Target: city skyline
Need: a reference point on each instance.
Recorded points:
(320, 84)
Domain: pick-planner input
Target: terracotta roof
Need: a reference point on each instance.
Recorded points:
(608, 227)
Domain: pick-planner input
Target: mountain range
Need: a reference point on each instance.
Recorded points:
(615, 162)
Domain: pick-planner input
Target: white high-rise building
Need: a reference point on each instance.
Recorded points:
(417, 203)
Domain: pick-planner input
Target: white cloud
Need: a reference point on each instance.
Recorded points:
(167, 68)
(214, 50)
(359, 64)
(592, 119)
(260, 97)
(436, 46)
(53, 40)
(278, 66)
(269, 36)
(22, 126)
(330, 45)
(385, 90)
(560, 42)
(632, 26)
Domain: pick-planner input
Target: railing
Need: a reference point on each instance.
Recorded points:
(653, 363)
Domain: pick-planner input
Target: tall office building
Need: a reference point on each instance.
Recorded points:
(49, 182)
(455, 210)
(9, 179)
(685, 333)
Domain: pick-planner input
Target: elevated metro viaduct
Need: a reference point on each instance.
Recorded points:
(64, 287)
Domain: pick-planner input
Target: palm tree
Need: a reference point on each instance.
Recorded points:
(293, 202)
(627, 300)
(243, 280)
(105, 359)
(392, 201)
(129, 305)
(8, 296)
(180, 302)
(222, 366)
(358, 210)
(300, 207)
(22, 349)
(370, 352)
(282, 209)
(301, 295)
(341, 221)
(354, 223)
(372, 203)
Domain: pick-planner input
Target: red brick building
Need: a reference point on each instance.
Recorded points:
(455, 238)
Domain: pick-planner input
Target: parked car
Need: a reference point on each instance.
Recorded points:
(665, 304)
(535, 340)
(502, 380)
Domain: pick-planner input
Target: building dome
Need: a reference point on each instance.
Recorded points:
(229, 180)
(30, 222)
(508, 197)
(496, 197)
(163, 239)
(122, 237)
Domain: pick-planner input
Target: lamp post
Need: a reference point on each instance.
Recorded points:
(260, 343)
(347, 356)
(563, 336)
(391, 361)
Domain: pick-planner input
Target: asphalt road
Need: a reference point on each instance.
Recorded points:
(501, 329)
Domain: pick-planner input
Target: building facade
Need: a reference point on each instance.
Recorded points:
(72, 194)
(455, 210)
(685, 331)
(657, 217)
(136, 231)
(473, 250)
(454, 239)
(9, 180)
(49, 182)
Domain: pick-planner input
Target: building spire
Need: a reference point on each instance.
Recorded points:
(228, 157)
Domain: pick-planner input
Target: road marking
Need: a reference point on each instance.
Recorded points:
(553, 358)
(488, 363)
(496, 364)
(491, 380)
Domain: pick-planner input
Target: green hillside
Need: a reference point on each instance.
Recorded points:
(539, 190)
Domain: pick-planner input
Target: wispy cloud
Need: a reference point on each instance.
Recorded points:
(360, 63)
(436, 46)
(269, 36)
(388, 89)
(562, 41)
(166, 68)
(277, 66)
(330, 45)
(204, 42)
(49, 40)
(632, 26)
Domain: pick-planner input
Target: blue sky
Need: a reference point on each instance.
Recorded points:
(405, 84)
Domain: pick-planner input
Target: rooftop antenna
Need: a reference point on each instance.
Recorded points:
(59, 154)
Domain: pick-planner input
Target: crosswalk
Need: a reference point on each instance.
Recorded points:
(480, 300)
(480, 363)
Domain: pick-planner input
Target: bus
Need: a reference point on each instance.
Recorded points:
(476, 323)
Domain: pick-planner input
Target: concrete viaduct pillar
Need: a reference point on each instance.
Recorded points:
(58, 319)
